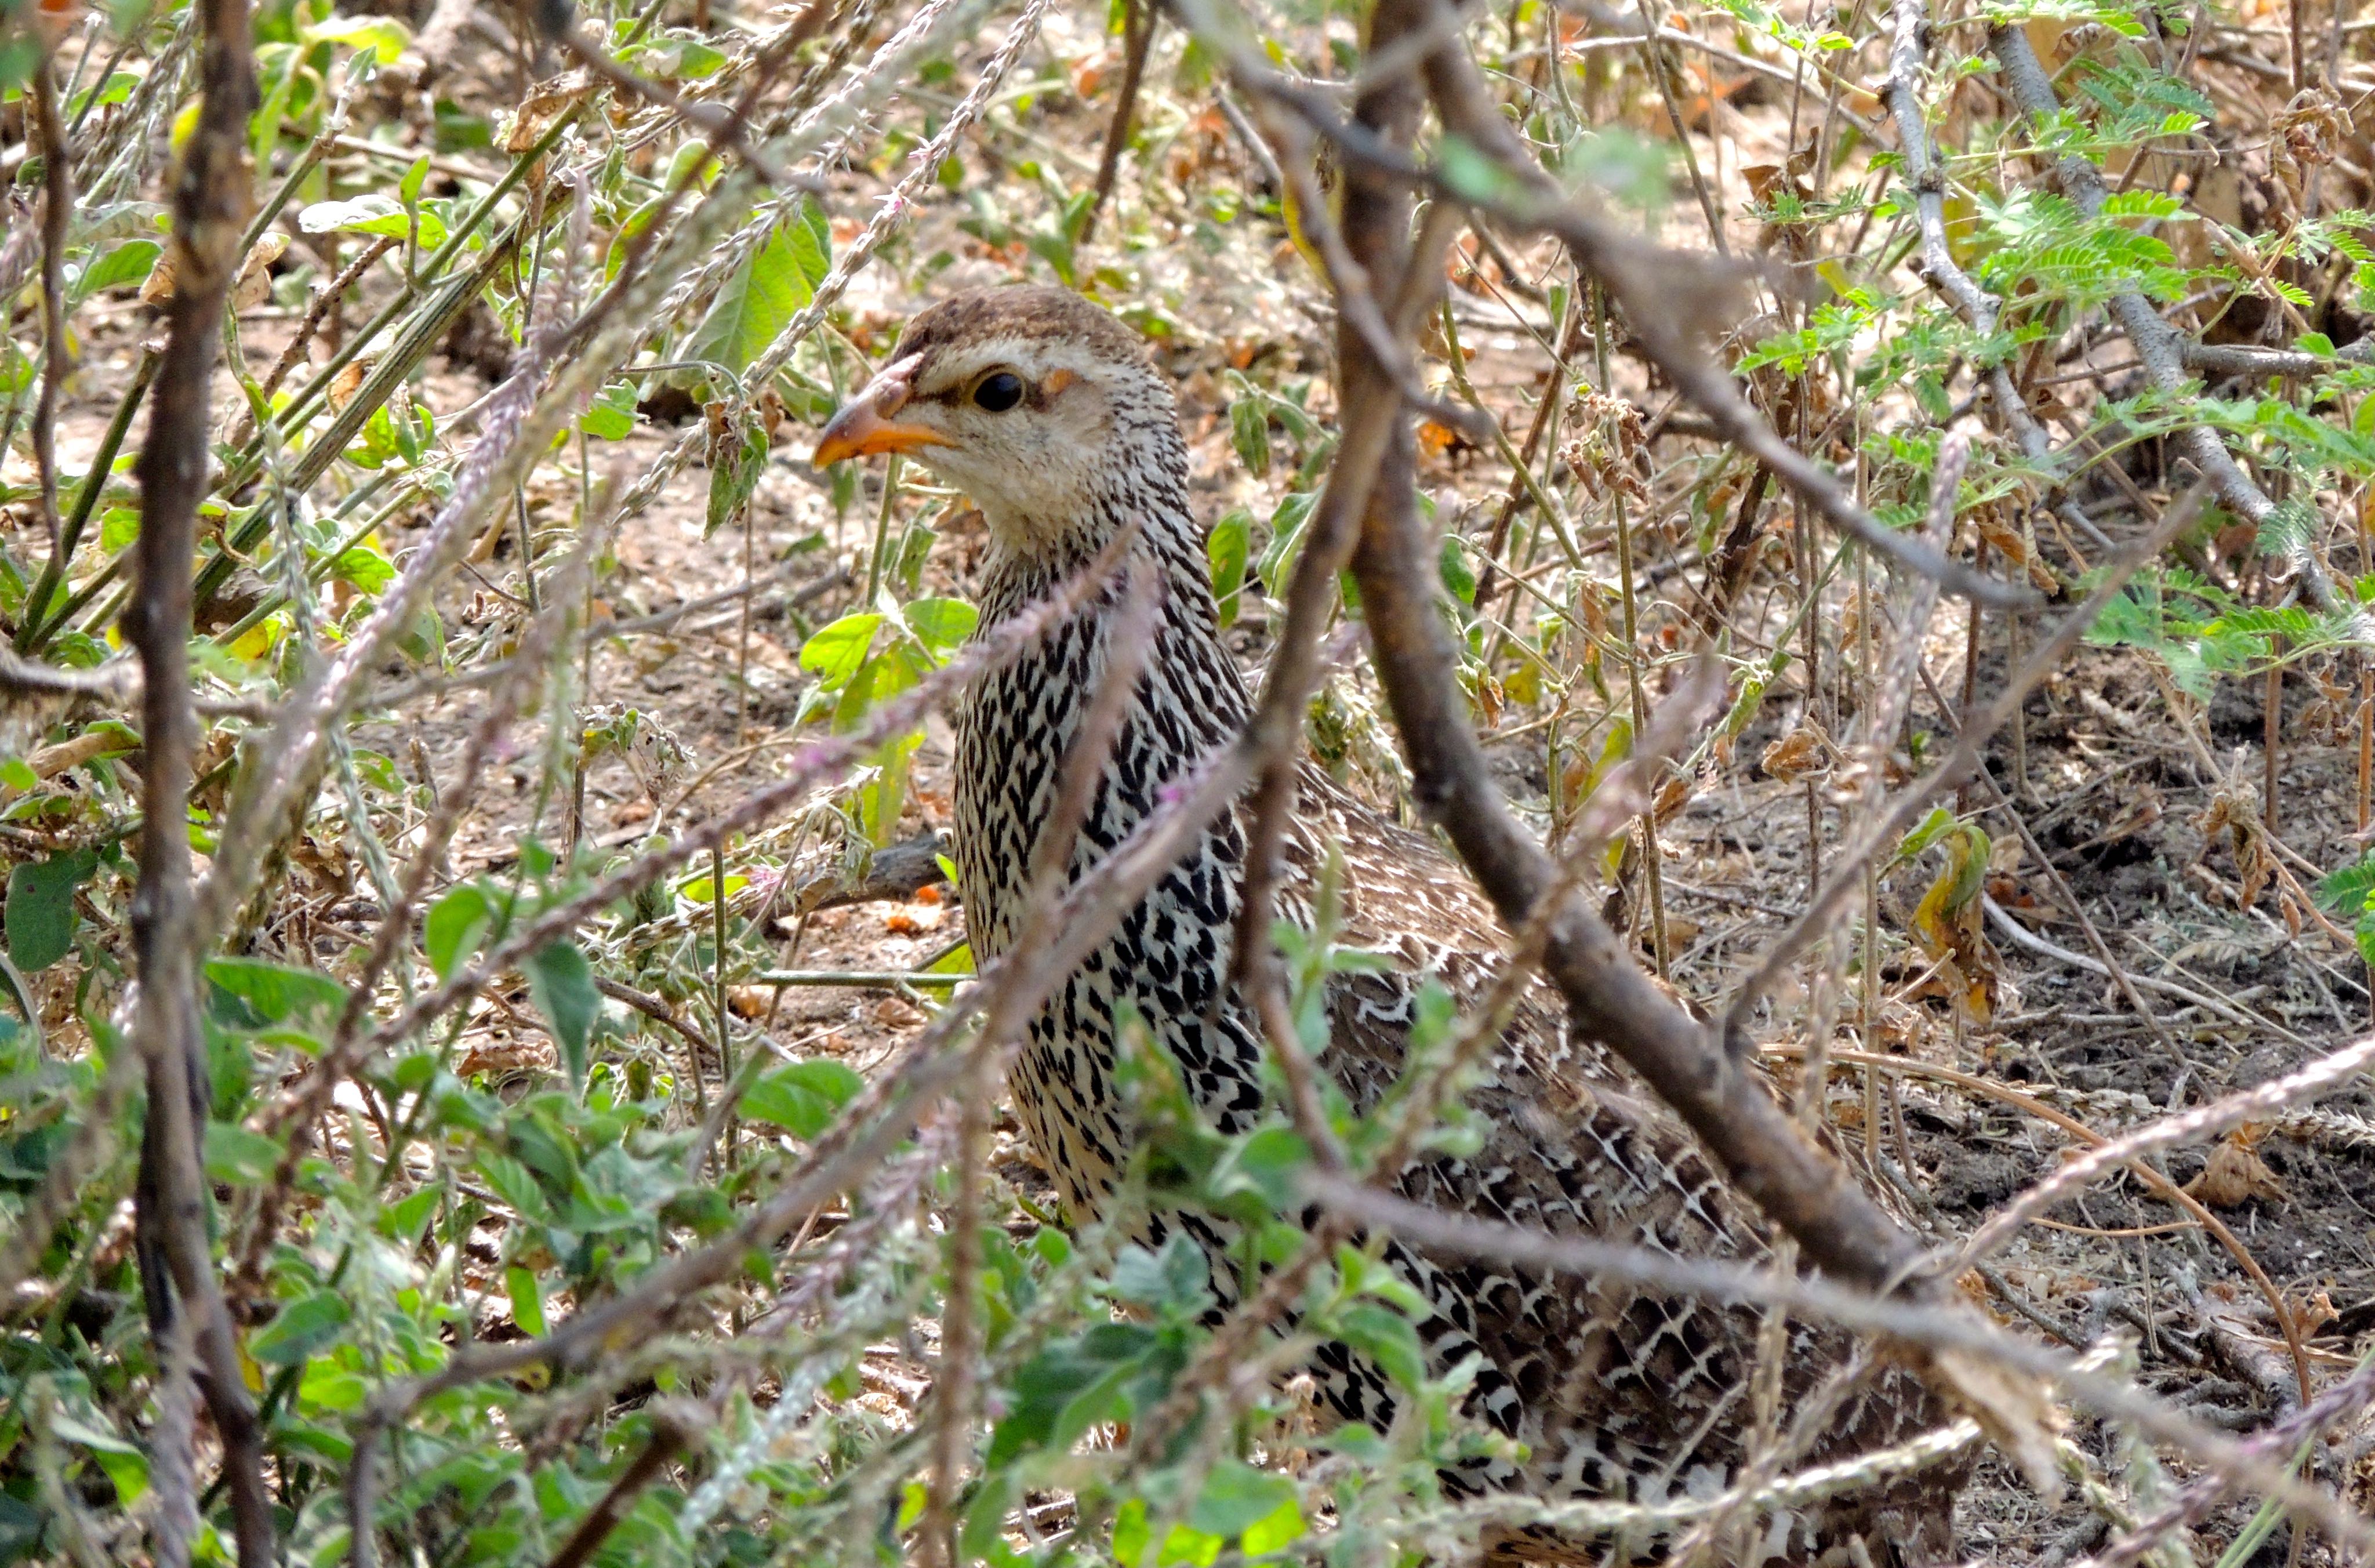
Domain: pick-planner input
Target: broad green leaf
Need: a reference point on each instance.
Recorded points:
(372, 214)
(611, 414)
(454, 926)
(514, 1182)
(1236, 1496)
(1068, 1387)
(803, 1098)
(836, 652)
(125, 266)
(1226, 550)
(527, 1299)
(302, 1327)
(40, 918)
(941, 625)
(365, 567)
(1385, 1337)
(1249, 433)
(755, 302)
(385, 35)
(279, 992)
(239, 1157)
(562, 983)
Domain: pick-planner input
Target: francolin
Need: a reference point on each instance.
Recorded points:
(1043, 410)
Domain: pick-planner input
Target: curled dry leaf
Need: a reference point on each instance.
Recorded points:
(1796, 756)
(2016, 1412)
(253, 285)
(350, 380)
(2236, 1173)
(548, 102)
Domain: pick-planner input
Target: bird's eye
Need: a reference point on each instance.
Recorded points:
(998, 393)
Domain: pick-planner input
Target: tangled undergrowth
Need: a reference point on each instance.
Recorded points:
(568, 961)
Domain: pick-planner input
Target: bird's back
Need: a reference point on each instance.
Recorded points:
(1617, 1393)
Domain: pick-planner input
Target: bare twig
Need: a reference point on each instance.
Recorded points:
(2323, 1075)
(57, 357)
(211, 204)
(1138, 17)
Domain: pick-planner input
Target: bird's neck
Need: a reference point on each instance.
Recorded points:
(1020, 728)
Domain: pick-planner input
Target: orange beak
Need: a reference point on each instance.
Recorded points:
(865, 424)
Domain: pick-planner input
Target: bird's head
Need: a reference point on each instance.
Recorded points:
(1038, 405)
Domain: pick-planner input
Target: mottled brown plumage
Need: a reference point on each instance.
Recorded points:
(1042, 407)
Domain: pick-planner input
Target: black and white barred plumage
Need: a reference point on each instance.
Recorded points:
(1616, 1393)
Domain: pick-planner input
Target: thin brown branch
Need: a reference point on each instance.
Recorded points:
(1370, 246)
(57, 358)
(670, 1433)
(210, 206)
(1138, 35)
(2323, 1075)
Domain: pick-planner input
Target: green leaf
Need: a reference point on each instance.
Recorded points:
(514, 1182)
(837, 653)
(527, 1299)
(1275, 1530)
(126, 1466)
(383, 35)
(812, 239)
(125, 266)
(1237, 1497)
(1458, 577)
(1226, 550)
(454, 926)
(40, 918)
(941, 625)
(1249, 433)
(563, 982)
(1385, 1337)
(2287, 529)
(372, 214)
(1273, 1160)
(365, 567)
(1068, 1387)
(734, 472)
(240, 1158)
(2348, 889)
(302, 1327)
(611, 414)
(305, 997)
(803, 1098)
(755, 302)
